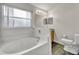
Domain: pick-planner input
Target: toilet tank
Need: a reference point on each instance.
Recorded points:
(76, 38)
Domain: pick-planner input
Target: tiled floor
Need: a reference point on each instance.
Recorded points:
(58, 50)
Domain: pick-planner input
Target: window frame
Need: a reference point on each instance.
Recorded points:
(15, 17)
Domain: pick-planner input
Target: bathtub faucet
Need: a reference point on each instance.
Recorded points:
(38, 38)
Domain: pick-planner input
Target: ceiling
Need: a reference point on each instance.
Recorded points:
(48, 6)
(45, 6)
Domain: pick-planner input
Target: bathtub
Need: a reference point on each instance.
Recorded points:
(21, 46)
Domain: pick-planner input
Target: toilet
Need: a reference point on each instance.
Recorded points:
(71, 46)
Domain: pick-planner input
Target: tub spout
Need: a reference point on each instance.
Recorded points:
(38, 39)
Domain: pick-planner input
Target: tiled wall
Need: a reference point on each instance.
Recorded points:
(14, 34)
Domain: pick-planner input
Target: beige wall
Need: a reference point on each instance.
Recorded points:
(66, 20)
(39, 20)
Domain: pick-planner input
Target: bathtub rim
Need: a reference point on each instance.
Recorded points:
(41, 43)
(28, 50)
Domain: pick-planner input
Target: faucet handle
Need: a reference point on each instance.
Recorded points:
(38, 38)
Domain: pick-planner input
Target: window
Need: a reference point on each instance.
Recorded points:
(16, 18)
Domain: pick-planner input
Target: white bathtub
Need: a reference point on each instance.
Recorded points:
(21, 46)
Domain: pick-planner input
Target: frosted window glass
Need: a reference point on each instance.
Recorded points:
(5, 22)
(19, 13)
(28, 23)
(19, 22)
(11, 22)
(28, 15)
(10, 13)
